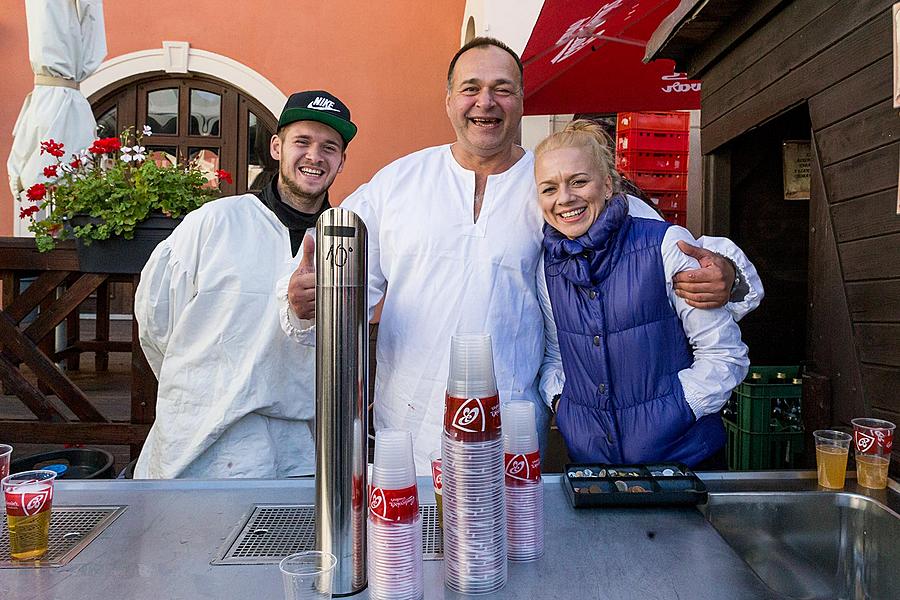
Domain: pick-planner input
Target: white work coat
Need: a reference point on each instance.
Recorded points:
(236, 398)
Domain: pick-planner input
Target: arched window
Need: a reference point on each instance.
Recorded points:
(196, 119)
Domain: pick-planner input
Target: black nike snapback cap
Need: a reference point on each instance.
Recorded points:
(321, 106)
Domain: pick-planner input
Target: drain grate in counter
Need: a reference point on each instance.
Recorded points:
(272, 531)
(71, 529)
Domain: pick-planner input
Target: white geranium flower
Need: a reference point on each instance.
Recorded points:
(147, 130)
(140, 153)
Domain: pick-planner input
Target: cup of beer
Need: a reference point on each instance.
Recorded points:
(872, 441)
(29, 498)
(832, 449)
(437, 479)
(5, 453)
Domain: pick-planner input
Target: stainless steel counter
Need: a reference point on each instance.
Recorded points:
(160, 548)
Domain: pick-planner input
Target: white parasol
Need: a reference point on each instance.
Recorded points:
(66, 43)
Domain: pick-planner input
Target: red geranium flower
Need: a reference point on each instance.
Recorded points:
(52, 148)
(75, 163)
(108, 145)
(36, 192)
(50, 171)
(224, 175)
(27, 211)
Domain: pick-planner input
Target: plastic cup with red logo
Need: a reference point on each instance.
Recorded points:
(524, 489)
(873, 440)
(29, 500)
(5, 454)
(472, 471)
(437, 482)
(395, 526)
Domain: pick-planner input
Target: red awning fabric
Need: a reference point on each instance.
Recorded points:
(586, 56)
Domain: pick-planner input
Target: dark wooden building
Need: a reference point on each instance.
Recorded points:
(817, 70)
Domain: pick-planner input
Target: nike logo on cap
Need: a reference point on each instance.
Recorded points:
(321, 103)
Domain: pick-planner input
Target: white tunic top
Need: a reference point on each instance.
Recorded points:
(236, 398)
(444, 275)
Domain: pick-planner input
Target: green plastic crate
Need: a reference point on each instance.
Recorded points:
(755, 401)
(748, 451)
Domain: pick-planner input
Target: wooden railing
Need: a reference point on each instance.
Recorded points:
(57, 291)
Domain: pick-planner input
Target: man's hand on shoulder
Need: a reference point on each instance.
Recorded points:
(302, 287)
(710, 285)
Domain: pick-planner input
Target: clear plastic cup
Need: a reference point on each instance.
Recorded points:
(29, 503)
(471, 367)
(5, 453)
(437, 482)
(395, 569)
(519, 429)
(832, 450)
(393, 467)
(524, 488)
(308, 575)
(395, 526)
(873, 441)
(475, 558)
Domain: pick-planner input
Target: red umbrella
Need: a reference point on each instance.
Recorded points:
(586, 56)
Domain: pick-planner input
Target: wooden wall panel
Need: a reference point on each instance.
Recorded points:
(858, 92)
(871, 258)
(748, 108)
(882, 384)
(782, 25)
(829, 331)
(866, 216)
(864, 131)
(787, 49)
(877, 343)
(864, 174)
(874, 301)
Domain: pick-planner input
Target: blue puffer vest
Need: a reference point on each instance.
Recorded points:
(622, 346)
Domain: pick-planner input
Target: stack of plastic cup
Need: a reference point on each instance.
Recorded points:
(395, 526)
(524, 488)
(472, 471)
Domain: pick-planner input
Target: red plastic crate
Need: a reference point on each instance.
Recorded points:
(652, 141)
(678, 217)
(652, 182)
(669, 201)
(668, 121)
(645, 160)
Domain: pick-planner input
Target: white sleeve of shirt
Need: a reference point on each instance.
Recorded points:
(552, 376)
(363, 203)
(301, 330)
(720, 357)
(166, 286)
(746, 271)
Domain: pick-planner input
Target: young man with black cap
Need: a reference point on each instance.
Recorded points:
(236, 398)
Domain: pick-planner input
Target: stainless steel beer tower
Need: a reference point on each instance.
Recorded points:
(342, 367)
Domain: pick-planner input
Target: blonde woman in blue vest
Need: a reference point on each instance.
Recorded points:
(644, 375)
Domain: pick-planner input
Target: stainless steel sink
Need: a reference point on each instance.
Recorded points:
(813, 545)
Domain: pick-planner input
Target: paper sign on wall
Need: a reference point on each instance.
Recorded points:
(797, 160)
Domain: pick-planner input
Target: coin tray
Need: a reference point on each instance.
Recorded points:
(657, 484)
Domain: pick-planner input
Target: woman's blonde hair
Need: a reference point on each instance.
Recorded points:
(593, 138)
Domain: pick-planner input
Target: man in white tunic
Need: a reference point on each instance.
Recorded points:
(454, 242)
(236, 398)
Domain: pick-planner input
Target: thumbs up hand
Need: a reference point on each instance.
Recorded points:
(302, 286)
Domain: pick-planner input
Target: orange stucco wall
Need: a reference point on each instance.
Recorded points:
(386, 60)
